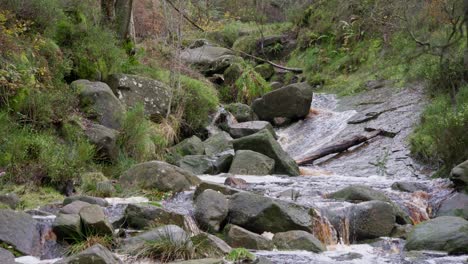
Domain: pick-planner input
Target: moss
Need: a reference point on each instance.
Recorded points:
(247, 44)
(31, 197)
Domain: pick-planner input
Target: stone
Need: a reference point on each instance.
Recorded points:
(238, 237)
(232, 73)
(67, 227)
(211, 209)
(459, 176)
(242, 112)
(18, 230)
(247, 162)
(105, 140)
(218, 143)
(410, 187)
(197, 164)
(236, 182)
(94, 221)
(455, 205)
(96, 254)
(222, 161)
(200, 261)
(133, 90)
(263, 142)
(74, 207)
(10, 199)
(216, 243)
(298, 240)
(214, 186)
(98, 102)
(445, 233)
(189, 146)
(292, 101)
(173, 232)
(265, 70)
(158, 175)
(86, 199)
(244, 129)
(141, 216)
(6, 257)
(262, 214)
(209, 60)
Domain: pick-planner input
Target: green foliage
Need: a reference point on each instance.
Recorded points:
(247, 44)
(441, 137)
(250, 85)
(86, 242)
(238, 255)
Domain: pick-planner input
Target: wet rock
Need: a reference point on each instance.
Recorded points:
(410, 187)
(10, 199)
(455, 205)
(222, 161)
(348, 257)
(189, 146)
(211, 209)
(242, 112)
(141, 216)
(244, 129)
(173, 232)
(95, 254)
(459, 176)
(218, 143)
(133, 90)
(236, 182)
(86, 199)
(262, 214)
(214, 186)
(238, 237)
(6, 256)
(67, 227)
(263, 142)
(74, 207)
(370, 220)
(247, 162)
(94, 221)
(99, 103)
(18, 230)
(298, 240)
(291, 101)
(290, 194)
(158, 175)
(265, 70)
(209, 59)
(445, 233)
(105, 140)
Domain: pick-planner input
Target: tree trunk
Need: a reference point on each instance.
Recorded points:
(466, 27)
(108, 11)
(123, 18)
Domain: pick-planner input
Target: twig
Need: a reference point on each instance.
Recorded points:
(185, 16)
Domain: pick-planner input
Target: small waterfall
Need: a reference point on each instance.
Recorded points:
(323, 229)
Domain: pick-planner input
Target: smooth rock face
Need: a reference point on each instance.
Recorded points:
(218, 143)
(459, 176)
(455, 205)
(99, 102)
(6, 257)
(242, 112)
(86, 199)
(239, 130)
(67, 227)
(133, 89)
(263, 142)
(238, 237)
(262, 214)
(247, 162)
(292, 101)
(445, 233)
(209, 59)
(105, 140)
(211, 208)
(18, 229)
(94, 221)
(298, 240)
(370, 220)
(74, 208)
(141, 216)
(10, 199)
(96, 254)
(158, 175)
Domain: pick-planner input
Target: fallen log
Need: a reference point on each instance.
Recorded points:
(338, 147)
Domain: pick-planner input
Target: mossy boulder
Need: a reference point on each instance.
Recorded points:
(95, 254)
(263, 142)
(197, 164)
(158, 175)
(459, 176)
(211, 209)
(141, 216)
(455, 205)
(242, 112)
(95, 222)
(232, 73)
(247, 162)
(189, 146)
(67, 227)
(209, 59)
(218, 143)
(238, 237)
(105, 140)
(11, 200)
(445, 233)
(265, 70)
(18, 230)
(243, 129)
(298, 240)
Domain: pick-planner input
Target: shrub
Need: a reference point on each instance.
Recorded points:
(81, 244)
(250, 85)
(239, 255)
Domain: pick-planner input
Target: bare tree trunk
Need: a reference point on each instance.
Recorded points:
(123, 18)
(466, 27)
(108, 11)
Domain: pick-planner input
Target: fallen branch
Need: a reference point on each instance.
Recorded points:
(338, 147)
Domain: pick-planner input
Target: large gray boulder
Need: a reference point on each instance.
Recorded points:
(247, 162)
(18, 230)
(133, 90)
(209, 59)
(96, 254)
(73, 208)
(158, 175)
(445, 233)
(238, 237)
(218, 143)
(263, 142)
(189, 146)
(99, 102)
(197, 164)
(211, 209)
(105, 140)
(67, 227)
(292, 102)
(239, 130)
(95, 222)
(86, 199)
(6, 257)
(141, 216)
(262, 214)
(455, 205)
(459, 176)
(242, 112)
(298, 240)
